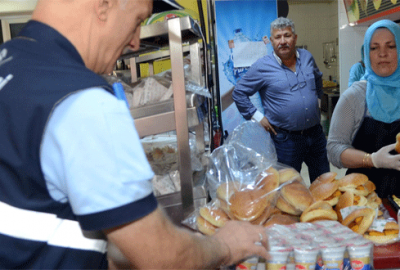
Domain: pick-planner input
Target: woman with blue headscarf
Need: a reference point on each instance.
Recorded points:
(366, 119)
(357, 71)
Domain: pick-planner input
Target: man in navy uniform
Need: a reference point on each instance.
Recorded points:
(73, 174)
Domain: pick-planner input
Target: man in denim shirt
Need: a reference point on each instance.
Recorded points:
(290, 86)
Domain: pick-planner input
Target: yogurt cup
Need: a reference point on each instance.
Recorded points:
(278, 259)
(305, 257)
(333, 257)
(360, 256)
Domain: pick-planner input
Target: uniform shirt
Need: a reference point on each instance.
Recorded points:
(289, 99)
(91, 154)
(71, 161)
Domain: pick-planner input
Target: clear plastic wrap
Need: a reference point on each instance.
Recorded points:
(252, 135)
(150, 90)
(162, 153)
(244, 185)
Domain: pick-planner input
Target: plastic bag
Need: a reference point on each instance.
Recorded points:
(151, 90)
(162, 153)
(252, 135)
(244, 185)
(234, 162)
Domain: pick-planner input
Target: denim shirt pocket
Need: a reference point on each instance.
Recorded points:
(310, 80)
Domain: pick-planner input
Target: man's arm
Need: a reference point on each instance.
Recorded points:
(154, 242)
(247, 86)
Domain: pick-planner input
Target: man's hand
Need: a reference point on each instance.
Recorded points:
(268, 127)
(243, 241)
(383, 159)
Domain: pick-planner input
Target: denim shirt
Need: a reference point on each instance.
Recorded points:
(289, 99)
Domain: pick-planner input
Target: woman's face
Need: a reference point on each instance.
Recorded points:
(383, 53)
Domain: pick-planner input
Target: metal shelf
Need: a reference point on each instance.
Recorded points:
(153, 37)
(178, 114)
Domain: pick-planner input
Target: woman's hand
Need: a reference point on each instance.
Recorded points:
(383, 159)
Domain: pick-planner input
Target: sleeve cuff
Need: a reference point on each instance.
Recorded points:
(258, 116)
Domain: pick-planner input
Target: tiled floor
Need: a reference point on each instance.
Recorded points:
(306, 178)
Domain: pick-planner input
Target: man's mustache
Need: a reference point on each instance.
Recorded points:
(283, 46)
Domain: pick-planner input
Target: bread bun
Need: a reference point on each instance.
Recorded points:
(286, 207)
(354, 182)
(281, 219)
(288, 174)
(268, 180)
(269, 210)
(215, 215)
(247, 205)
(204, 226)
(224, 192)
(360, 220)
(327, 192)
(397, 147)
(297, 195)
(320, 210)
(390, 232)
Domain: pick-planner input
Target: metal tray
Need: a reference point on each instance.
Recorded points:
(393, 203)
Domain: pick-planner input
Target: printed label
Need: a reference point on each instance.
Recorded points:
(360, 264)
(276, 266)
(305, 266)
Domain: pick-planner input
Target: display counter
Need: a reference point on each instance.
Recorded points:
(387, 256)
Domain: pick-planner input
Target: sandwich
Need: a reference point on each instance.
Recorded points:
(359, 220)
(319, 210)
(323, 178)
(327, 192)
(389, 233)
(354, 183)
(348, 199)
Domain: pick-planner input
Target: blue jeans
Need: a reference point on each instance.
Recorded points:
(294, 149)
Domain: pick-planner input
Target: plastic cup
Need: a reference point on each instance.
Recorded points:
(333, 257)
(360, 256)
(305, 257)
(278, 259)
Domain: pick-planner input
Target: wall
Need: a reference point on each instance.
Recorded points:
(316, 23)
(12, 7)
(350, 40)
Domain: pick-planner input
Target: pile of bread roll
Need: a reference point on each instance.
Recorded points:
(279, 196)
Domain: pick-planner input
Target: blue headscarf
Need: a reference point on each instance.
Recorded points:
(383, 93)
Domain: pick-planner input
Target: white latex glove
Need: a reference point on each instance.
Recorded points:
(383, 159)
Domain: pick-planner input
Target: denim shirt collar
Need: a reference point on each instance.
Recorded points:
(280, 61)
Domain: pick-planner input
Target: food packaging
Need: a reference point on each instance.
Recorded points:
(162, 153)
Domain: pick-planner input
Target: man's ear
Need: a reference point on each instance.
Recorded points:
(102, 8)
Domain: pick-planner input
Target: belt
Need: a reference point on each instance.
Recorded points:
(299, 132)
